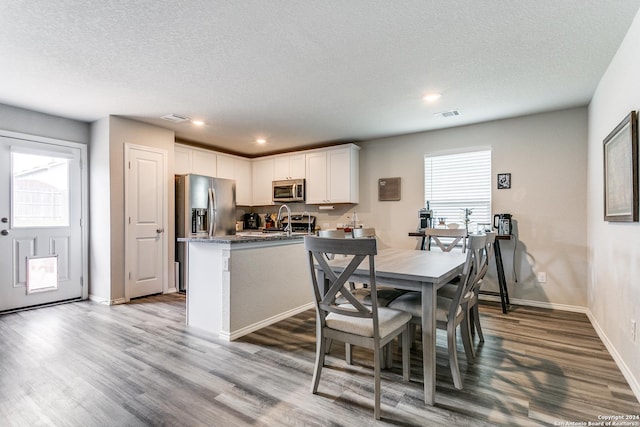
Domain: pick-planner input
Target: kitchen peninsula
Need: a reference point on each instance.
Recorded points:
(238, 284)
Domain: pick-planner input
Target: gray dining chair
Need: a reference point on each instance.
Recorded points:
(456, 236)
(451, 313)
(473, 314)
(370, 327)
(363, 294)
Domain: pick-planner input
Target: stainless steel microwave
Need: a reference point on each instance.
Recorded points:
(288, 190)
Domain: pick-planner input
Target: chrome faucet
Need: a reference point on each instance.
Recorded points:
(279, 218)
(309, 222)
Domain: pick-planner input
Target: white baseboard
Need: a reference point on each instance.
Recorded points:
(634, 383)
(101, 300)
(266, 322)
(539, 304)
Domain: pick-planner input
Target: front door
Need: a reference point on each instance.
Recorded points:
(41, 256)
(146, 201)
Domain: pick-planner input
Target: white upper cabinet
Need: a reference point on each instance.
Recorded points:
(238, 169)
(182, 160)
(204, 162)
(332, 175)
(262, 178)
(194, 160)
(289, 166)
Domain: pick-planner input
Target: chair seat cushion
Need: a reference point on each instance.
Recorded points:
(449, 291)
(388, 321)
(385, 296)
(411, 302)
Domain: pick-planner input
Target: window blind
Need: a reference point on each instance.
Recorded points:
(455, 182)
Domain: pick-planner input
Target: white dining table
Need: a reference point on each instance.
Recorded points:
(422, 271)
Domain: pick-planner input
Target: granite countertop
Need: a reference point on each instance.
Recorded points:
(252, 237)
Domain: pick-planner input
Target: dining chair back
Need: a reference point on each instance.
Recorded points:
(371, 326)
(333, 234)
(456, 235)
(336, 234)
(363, 232)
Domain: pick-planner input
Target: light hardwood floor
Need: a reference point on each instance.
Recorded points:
(84, 364)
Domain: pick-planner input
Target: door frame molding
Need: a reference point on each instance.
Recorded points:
(165, 220)
(84, 193)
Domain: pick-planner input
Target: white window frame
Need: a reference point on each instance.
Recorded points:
(445, 196)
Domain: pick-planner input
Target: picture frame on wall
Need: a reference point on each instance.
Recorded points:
(389, 189)
(621, 171)
(504, 181)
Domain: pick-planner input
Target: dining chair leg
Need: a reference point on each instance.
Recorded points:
(467, 341)
(476, 320)
(377, 361)
(320, 354)
(406, 361)
(387, 362)
(348, 355)
(453, 355)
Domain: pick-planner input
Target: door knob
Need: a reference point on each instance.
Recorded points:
(160, 230)
(4, 232)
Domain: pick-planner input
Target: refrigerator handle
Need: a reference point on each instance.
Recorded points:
(212, 209)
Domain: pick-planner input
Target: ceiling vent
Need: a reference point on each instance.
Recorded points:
(447, 114)
(174, 118)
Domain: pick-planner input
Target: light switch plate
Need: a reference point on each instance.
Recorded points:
(542, 277)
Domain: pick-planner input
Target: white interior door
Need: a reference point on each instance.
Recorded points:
(146, 201)
(41, 253)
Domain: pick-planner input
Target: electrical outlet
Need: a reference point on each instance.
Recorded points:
(542, 277)
(634, 331)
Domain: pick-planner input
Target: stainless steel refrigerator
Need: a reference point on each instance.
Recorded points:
(205, 207)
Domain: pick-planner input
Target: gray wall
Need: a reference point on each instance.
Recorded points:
(547, 157)
(614, 251)
(16, 119)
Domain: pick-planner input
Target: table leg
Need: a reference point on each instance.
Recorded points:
(429, 342)
(502, 282)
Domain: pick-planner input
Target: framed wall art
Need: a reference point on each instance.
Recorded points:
(621, 171)
(389, 189)
(504, 181)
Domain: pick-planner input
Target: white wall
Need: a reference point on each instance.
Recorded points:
(99, 212)
(547, 157)
(614, 249)
(107, 201)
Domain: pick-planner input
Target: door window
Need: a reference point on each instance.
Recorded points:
(40, 190)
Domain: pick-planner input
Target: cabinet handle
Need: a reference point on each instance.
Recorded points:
(4, 232)
(4, 220)
(160, 230)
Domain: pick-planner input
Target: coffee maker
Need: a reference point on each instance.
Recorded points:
(251, 221)
(426, 219)
(503, 223)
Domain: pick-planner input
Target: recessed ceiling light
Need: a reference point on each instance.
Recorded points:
(431, 97)
(197, 122)
(261, 141)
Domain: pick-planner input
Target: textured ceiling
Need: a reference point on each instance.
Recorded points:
(302, 73)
